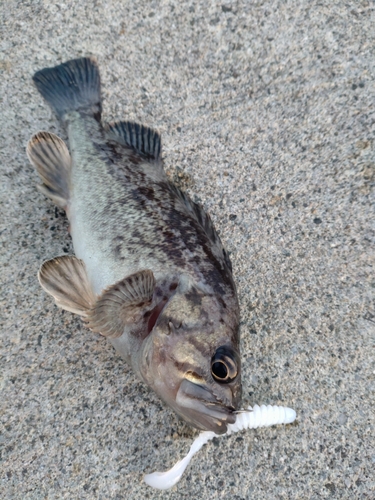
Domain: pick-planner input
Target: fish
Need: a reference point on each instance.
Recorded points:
(150, 272)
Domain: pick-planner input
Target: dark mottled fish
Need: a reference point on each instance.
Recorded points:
(150, 272)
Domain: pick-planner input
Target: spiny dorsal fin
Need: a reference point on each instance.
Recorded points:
(206, 223)
(143, 139)
(65, 278)
(50, 156)
(120, 304)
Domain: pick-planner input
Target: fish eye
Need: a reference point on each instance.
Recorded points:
(224, 365)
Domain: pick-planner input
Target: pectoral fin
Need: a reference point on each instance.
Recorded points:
(66, 280)
(121, 304)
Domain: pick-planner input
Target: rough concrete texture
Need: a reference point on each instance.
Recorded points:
(266, 110)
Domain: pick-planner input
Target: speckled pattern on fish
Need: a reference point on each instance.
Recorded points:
(153, 274)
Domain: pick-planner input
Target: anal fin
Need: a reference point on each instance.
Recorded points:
(50, 156)
(65, 278)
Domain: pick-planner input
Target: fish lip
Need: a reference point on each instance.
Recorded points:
(201, 408)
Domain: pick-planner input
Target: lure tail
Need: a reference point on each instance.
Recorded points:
(258, 416)
(72, 86)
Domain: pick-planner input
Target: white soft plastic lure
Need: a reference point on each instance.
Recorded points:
(258, 416)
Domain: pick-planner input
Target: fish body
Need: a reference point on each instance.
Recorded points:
(150, 272)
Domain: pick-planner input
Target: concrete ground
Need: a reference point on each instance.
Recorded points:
(266, 110)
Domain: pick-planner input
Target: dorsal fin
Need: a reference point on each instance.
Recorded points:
(205, 221)
(144, 140)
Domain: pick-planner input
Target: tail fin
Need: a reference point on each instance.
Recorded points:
(72, 86)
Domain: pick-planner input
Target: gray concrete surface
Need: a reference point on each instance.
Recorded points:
(266, 109)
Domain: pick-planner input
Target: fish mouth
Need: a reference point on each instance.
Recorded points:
(201, 408)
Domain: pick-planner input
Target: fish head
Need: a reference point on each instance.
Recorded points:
(192, 360)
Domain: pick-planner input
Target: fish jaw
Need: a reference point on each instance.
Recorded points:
(198, 404)
(202, 410)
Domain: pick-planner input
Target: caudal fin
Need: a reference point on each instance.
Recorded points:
(72, 86)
